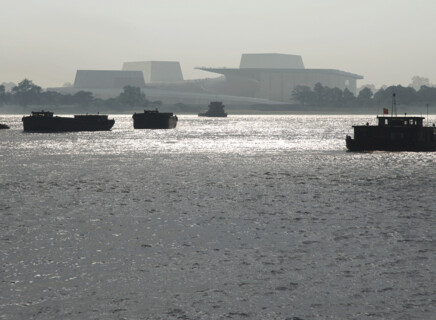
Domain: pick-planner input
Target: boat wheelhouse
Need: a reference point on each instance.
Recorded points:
(215, 109)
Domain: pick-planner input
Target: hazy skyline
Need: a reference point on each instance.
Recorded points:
(388, 42)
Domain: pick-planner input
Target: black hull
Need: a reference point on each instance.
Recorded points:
(61, 124)
(154, 121)
(386, 145)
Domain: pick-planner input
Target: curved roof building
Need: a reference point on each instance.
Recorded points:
(157, 71)
(274, 76)
(108, 79)
(271, 61)
(264, 78)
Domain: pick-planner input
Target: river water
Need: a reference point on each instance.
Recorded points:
(249, 217)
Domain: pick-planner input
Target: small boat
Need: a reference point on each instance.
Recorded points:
(4, 126)
(393, 133)
(153, 119)
(44, 121)
(215, 109)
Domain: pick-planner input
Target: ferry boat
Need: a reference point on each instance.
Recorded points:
(393, 133)
(153, 119)
(44, 121)
(215, 109)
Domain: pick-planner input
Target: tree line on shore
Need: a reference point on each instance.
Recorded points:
(26, 93)
(321, 96)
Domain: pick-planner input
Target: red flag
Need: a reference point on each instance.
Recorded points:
(385, 111)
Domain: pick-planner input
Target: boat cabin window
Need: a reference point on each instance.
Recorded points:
(401, 121)
(42, 114)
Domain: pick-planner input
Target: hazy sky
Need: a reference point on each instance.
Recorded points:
(386, 41)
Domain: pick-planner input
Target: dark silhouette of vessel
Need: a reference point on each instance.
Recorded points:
(216, 109)
(153, 119)
(4, 126)
(393, 133)
(44, 121)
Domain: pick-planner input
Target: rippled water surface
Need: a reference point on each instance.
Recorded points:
(249, 217)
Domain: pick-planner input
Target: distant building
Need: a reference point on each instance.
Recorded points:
(157, 71)
(274, 76)
(108, 79)
(271, 61)
(262, 78)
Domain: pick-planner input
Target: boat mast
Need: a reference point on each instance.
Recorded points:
(394, 105)
(427, 114)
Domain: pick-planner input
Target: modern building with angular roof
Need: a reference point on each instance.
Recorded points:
(274, 76)
(262, 78)
(157, 71)
(108, 79)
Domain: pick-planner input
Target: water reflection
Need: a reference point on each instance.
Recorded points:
(236, 134)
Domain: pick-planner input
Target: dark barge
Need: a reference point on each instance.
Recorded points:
(393, 133)
(153, 119)
(44, 121)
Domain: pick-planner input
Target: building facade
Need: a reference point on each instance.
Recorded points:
(267, 78)
(157, 71)
(108, 79)
(274, 77)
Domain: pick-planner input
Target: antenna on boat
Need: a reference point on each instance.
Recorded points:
(394, 105)
(378, 106)
(427, 114)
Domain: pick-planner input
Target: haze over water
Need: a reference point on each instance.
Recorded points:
(249, 217)
(388, 42)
